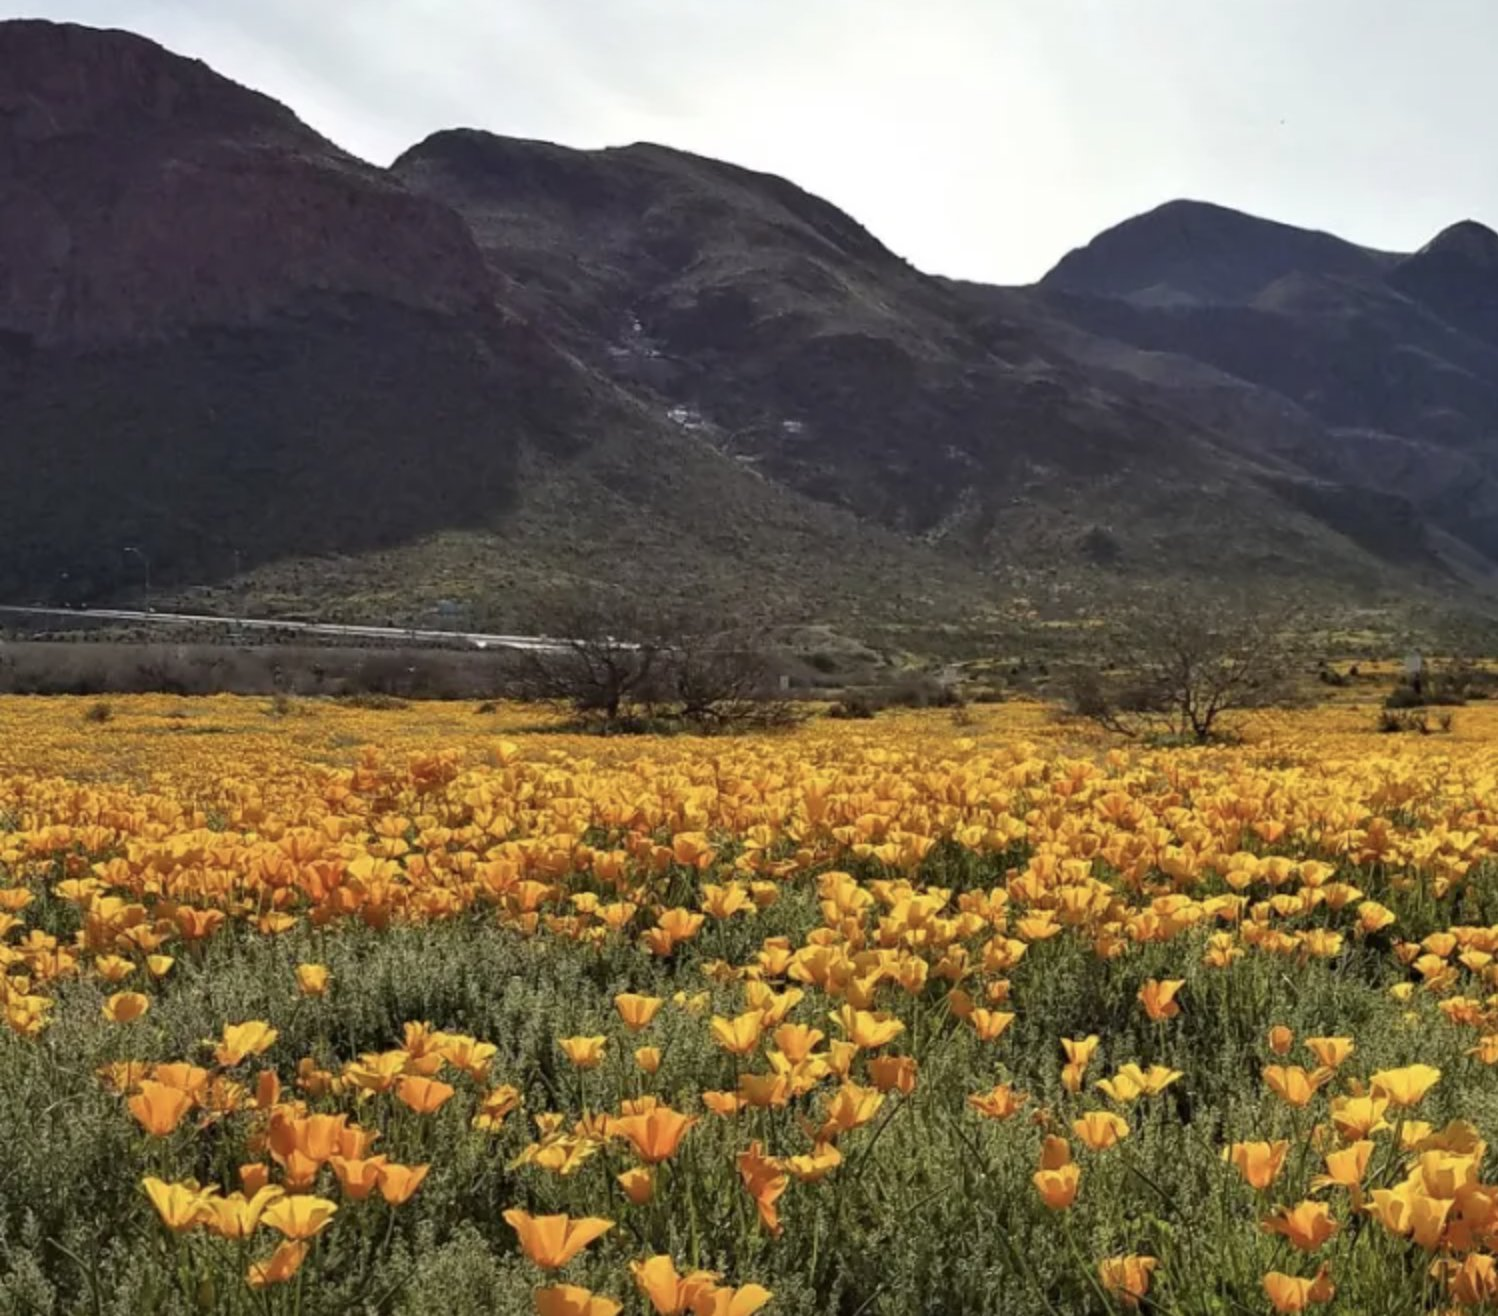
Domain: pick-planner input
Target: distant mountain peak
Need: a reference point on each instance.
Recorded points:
(620, 183)
(61, 79)
(1467, 240)
(1193, 213)
(1193, 252)
(1456, 275)
(150, 194)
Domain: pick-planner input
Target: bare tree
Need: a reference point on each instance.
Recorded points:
(602, 660)
(724, 679)
(611, 661)
(1176, 668)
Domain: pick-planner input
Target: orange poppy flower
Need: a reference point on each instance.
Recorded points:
(723, 1104)
(998, 1103)
(989, 1024)
(399, 1182)
(797, 1041)
(1331, 1051)
(1305, 1226)
(865, 1029)
(1132, 1082)
(570, 1300)
(635, 1010)
(851, 1107)
(299, 1171)
(317, 1137)
(648, 1059)
(668, 1291)
(551, 1241)
(1405, 1087)
(280, 1266)
(765, 1181)
(1058, 1187)
(238, 1216)
(312, 979)
(1358, 1117)
(181, 1206)
(246, 1039)
(1293, 1084)
(495, 1106)
(1159, 998)
(1289, 1294)
(763, 1091)
(1054, 1152)
(122, 1076)
(126, 1007)
(190, 1078)
(638, 1184)
(1259, 1163)
(357, 1178)
(739, 1035)
(112, 968)
(1475, 1282)
(654, 1135)
(1080, 1050)
(1100, 1129)
(300, 1217)
(584, 1052)
(267, 1089)
(1127, 1278)
(893, 1073)
(1345, 1168)
(723, 1301)
(423, 1095)
(253, 1176)
(158, 1108)
(724, 900)
(816, 1165)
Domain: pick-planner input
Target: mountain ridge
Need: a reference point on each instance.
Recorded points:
(1213, 253)
(294, 367)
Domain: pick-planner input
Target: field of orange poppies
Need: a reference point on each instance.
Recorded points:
(313, 1009)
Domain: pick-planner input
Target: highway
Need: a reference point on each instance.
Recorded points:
(408, 635)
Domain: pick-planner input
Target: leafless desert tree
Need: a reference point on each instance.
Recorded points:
(1178, 668)
(620, 660)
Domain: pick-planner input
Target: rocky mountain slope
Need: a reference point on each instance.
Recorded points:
(778, 329)
(232, 348)
(1383, 367)
(502, 369)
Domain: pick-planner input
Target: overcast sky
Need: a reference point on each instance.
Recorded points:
(980, 138)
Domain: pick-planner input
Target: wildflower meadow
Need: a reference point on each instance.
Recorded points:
(324, 1010)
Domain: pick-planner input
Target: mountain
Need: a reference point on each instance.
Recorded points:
(1456, 275)
(237, 351)
(221, 334)
(504, 370)
(1383, 367)
(780, 330)
(1189, 252)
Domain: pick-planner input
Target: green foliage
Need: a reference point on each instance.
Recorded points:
(932, 1211)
